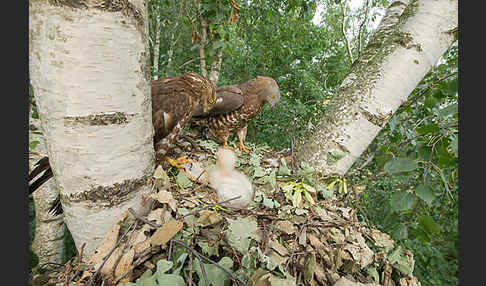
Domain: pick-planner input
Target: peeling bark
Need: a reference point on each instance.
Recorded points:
(407, 44)
(89, 68)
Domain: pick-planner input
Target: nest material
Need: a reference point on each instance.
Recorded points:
(189, 238)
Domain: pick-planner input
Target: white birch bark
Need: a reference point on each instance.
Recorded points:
(89, 68)
(48, 243)
(407, 44)
(216, 67)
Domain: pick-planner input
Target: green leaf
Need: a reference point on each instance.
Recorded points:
(452, 87)
(425, 193)
(429, 128)
(309, 188)
(219, 44)
(401, 232)
(400, 164)
(239, 232)
(259, 172)
(182, 180)
(449, 110)
(296, 199)
(455, 146)
(272, 179)
(216, 276)
(309, 198)
(402, 201)
(428, 225)
(163, 266)
(32, 144)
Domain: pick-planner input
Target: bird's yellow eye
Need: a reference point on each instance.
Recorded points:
(211, 100)
(272, 95)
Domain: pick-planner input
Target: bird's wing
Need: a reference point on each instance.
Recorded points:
(228, 99)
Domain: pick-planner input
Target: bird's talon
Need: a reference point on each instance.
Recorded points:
(179, 162)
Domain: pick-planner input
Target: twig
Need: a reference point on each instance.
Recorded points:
(210, 205)
(137, 216)
(343, 30)
(201, 256)
(203, 271)
(430, 86)
(190, 268)
(80, 259)
(360, 30)
(110, 253)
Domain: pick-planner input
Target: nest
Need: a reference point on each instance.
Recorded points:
(297, 231)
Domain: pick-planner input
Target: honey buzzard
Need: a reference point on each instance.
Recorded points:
(174, 100)
(236, 105)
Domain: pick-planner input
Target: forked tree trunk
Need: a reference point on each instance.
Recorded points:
(407, 44)
(48, 243)
(89, 67)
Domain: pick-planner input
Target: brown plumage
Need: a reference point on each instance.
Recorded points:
(174, 100)
(236, 105)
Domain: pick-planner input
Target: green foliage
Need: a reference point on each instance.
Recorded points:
(160, 277)
(416, 200)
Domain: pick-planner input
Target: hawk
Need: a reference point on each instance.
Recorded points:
(235, 105)
(174, 100)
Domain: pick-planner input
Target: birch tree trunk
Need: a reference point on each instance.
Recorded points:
(410, 39)
(89, 67)
(48, 243)
(216, 67)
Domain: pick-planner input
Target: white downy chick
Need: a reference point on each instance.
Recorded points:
(228, 182)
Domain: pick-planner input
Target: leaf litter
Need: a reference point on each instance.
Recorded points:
(297, 230)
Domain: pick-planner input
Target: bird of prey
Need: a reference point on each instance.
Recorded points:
(174, 100)
(236, 105)
(228, 182)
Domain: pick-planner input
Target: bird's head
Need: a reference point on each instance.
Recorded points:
(269, 90)
(205, 90)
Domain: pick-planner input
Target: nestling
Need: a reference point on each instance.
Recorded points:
(229, 182)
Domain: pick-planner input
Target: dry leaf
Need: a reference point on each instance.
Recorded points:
(109, 266)
(303, 237)
(156, 215)
(286, 226)
(208, 218)
(314, 241)
(166, 232)
(278, 247)
(106, 245)
(125, 264)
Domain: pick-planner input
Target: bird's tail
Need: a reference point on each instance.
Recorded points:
(226, 160)
(43, 166)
